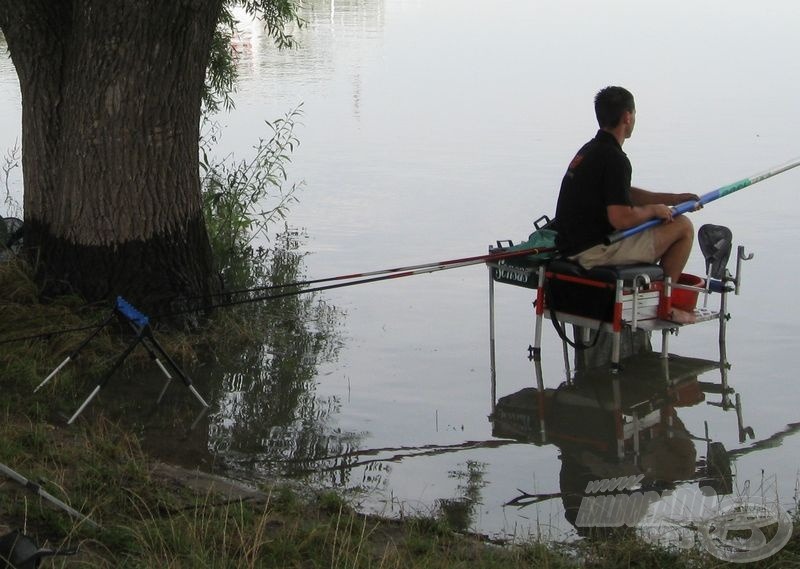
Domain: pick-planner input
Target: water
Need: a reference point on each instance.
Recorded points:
(432, 129)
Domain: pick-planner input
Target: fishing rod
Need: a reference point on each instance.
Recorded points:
(383, 274)
(691, 205)
(438, 265)
(379, 276)
(20, 479)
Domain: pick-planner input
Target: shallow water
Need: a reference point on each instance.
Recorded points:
(431, 130)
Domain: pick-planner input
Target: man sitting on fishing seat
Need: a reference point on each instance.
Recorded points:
(597, 198)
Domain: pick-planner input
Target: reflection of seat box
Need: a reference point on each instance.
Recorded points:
(591, 293)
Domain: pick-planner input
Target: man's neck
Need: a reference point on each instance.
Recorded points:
(618, 132)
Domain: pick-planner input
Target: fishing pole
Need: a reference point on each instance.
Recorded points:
(20, 479)
(449, 263)
(691, 205)
(418, 270)
(383, 274)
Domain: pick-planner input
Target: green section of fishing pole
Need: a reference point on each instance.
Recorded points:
(741, 184)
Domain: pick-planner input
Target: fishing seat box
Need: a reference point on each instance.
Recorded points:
(517, 271)
(571, 289)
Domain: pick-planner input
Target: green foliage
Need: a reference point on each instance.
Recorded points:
(275, 14)
(221, 72)
(241, 199)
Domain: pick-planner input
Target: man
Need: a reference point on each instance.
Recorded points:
(597, 198)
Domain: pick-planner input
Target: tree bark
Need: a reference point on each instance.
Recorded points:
(111, 102)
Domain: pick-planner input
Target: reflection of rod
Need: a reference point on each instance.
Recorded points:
(412, 452)
(772, 441)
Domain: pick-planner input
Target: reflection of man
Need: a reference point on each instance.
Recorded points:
(596, 198)
(666, 458)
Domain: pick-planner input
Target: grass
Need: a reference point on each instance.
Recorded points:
(148, 522)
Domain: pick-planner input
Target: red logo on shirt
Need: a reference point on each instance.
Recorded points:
(575, 161)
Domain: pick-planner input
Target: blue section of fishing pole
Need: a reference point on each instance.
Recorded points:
(680, 209)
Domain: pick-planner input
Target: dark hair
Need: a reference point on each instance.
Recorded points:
(610, 103)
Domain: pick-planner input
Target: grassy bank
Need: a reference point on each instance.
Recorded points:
(152, 515)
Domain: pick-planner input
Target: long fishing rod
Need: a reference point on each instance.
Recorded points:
(449, 263)
(387, 274)
(691, 205)
(419, 270)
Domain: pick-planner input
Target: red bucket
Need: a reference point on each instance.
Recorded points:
(686, 299)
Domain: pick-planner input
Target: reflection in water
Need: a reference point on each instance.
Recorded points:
(265, 416)
(612, 426)
(326, 22)
(459, 511)
(415, 113)
(267, 411)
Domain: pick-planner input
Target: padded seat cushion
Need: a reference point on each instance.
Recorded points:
(608, 273)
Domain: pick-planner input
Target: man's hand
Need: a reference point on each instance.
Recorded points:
(661, 211)
(686, 197)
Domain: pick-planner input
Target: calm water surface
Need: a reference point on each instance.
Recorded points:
(431, 130)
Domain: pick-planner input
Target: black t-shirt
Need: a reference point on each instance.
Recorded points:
(598, 176)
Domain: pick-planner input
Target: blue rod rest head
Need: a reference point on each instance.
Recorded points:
(131, 313)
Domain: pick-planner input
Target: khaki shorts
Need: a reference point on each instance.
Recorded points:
(639, 248)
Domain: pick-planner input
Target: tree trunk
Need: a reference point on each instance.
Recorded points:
(111, 102)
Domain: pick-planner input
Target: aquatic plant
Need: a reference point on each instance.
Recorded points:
(243, 198)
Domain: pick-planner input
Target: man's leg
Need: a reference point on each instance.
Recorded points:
(673, 244)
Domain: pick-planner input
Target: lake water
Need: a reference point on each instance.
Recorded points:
(431, 130)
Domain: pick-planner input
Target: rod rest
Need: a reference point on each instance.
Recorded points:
(127, 310)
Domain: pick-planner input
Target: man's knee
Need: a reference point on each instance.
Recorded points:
(684, 226)
(668, 234)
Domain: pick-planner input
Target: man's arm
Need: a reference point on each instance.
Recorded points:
(627, 216)
(647, 205)
(645, 197)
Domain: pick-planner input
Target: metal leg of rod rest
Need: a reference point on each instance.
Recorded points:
(75, 352)
(176, 369)
(145, 337)
(154, 357)
(117, 363)
(492, 353)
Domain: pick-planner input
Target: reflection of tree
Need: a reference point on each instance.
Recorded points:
(459, 511)
(265, 415)
(268, 413)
